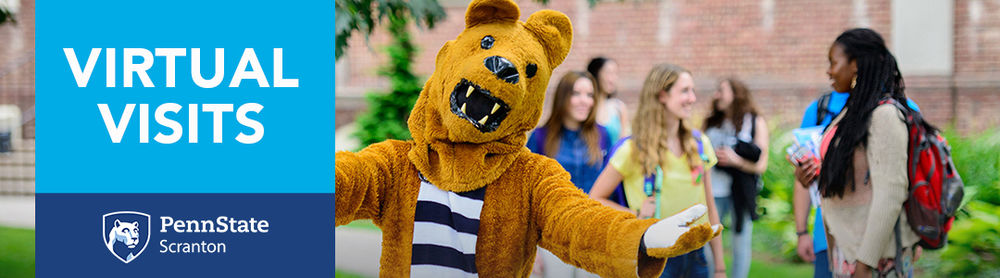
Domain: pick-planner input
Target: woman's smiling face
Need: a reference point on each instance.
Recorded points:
(680, 99)
(842, 70)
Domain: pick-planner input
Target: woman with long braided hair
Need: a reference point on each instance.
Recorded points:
(863, 177)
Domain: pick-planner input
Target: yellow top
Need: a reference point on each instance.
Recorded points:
(680, 189)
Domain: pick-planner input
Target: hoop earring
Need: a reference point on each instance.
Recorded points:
(854, 81)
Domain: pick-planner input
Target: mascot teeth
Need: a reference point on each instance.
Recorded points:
(477, 105)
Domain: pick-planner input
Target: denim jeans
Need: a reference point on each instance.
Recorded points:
(741, 242)
(822, 266)
(690, 265)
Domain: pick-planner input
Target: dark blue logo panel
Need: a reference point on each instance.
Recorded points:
(185, 235)
(185, 138)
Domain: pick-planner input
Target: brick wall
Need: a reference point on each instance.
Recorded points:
(17, 87)
(778, 47)
(17, 65)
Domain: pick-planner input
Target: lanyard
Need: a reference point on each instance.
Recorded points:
(652, 186)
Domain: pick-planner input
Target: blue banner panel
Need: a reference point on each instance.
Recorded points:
(185, 96)
(185, 235)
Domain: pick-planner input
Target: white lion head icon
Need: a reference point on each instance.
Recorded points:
(126, 234)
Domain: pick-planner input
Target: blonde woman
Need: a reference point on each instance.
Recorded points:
(664, 165)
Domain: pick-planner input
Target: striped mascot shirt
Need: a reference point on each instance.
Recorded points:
(445, 228)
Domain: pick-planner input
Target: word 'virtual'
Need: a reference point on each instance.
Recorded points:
(83, 71)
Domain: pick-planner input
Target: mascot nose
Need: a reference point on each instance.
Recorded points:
(502, 68)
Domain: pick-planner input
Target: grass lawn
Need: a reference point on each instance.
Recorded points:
(17, 252)
(361, 224)
(765, 266)
(341, 274)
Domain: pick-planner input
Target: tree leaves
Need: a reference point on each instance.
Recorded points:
(364, 15)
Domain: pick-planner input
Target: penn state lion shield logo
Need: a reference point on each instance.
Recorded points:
(126, 234)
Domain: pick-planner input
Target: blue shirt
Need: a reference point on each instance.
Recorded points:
(837, 102)
(574, 155)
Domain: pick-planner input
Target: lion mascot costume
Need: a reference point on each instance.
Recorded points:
(465, 197)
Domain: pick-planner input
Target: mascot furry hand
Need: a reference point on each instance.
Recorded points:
(465, 197)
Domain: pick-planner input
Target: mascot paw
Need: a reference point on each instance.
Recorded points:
(672, 237)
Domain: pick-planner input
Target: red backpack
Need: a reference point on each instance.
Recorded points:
(935, 190)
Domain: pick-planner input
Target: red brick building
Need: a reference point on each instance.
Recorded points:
(17, 101)
(778, 47)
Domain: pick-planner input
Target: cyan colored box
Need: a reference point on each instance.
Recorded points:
(76, 149)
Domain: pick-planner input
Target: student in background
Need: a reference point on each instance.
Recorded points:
(735, 118)
(572, 137)
(611, 111)
(863, 178)
(664, 165)
(812, 246)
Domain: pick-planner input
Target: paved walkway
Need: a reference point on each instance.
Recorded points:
(358, 251)
(17, 211)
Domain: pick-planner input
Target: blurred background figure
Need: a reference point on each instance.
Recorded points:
(740, 137)
(611, 111)
(572, 137)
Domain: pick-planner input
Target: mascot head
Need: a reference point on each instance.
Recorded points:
(486, 92)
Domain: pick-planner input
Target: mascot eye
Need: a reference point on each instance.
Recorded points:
(487, 42)
(530, 70)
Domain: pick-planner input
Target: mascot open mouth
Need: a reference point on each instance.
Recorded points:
(476, 105)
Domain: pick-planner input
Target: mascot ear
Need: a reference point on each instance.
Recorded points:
(554, 31)
(484, 11)
(136, 223)
(442, 52)
(117, 223)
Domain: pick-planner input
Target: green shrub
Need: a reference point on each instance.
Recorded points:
(973, 248)
(388, 111)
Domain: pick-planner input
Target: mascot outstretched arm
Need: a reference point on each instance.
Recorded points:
(465, 198)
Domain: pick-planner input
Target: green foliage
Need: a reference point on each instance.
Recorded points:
(364, 15)
(973, 248)
(775, 202)
(388, 111)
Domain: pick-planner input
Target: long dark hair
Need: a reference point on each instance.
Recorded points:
(742, 104)
(588, 128)
(878, 77)
(594, 68)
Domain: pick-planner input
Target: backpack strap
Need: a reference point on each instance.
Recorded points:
(822, 107)
(898, 264)
(889, 100)
(701, 145)
(540, 139)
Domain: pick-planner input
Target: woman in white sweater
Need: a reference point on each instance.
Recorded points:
(863, 178)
